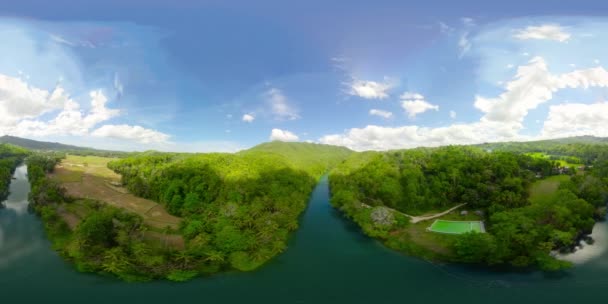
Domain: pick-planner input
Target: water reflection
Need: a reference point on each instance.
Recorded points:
(18, 237)
(588, 252)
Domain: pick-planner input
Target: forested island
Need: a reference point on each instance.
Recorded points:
(153, 215)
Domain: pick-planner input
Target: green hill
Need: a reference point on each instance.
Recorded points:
(584, 148)
(36, 145)
(315, 159)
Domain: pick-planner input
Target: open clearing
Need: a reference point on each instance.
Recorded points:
(89, 177)
(544, 190)
(456, 227)
(561, 162)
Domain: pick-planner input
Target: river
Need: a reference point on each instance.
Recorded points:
(328, 261)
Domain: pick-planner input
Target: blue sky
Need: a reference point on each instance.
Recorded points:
(226, 75)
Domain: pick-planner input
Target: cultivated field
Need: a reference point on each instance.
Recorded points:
(89, 177)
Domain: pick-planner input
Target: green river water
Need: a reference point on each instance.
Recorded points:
(328, 261)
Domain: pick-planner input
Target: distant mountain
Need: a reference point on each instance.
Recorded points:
(579, 140)
(54, 146)
(40, 145)
(301, 150)
(590, 140)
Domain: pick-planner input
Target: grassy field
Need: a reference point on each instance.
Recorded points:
(456, 227)
(561, 162)
(430, 244)
(89, 177)
(545, 189)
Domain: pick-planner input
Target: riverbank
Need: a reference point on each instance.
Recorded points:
(328, 261)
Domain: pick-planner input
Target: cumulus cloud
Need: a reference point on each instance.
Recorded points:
(543, 32)
(26, 109)
(248, 118)
(19, 100)
(128, 132)
(370, 89)
(502, 117)
(452, 115)
(283, 135)
(71, 120)
(532, 86)
(576, 119)
(280, 106)
(414, 104)
(374, 137)
(381, 113)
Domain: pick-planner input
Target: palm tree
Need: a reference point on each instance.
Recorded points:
(278, 247)
(184, 257)
(215, 256)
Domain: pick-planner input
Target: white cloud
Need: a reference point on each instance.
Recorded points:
(283, 135)
(381, 113)
(280, 106)
(70, 121)
(128, 132)
(502, 115)
(248, 118)
(452, 115)
(533, 85)
(467, 21)
(19, 100)
(25, 110)
(444, 28)
(464, 44)
(370, 89)
(414, 104)
(575, 119)
(118, 86)
(62, 40)
(385, 138)
(544, 32)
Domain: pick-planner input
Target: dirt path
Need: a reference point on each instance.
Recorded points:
(417, 219)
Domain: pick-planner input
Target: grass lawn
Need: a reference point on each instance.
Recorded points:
(68, 175)
(545, 189)
(428, 244)
(92, 165)
(561, 162)
(456, 227)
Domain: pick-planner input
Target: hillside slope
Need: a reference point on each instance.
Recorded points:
(315, 159)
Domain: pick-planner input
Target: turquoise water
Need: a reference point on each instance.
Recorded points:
(328, 261)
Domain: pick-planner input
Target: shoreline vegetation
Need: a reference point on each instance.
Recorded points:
(531, 204)
(10, 157)
(236, 211)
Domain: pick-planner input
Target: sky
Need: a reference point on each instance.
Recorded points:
(201, 76)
